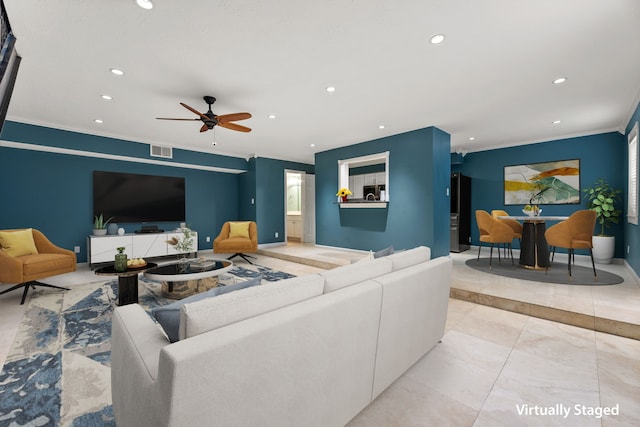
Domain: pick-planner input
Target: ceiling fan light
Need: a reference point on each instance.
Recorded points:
(145, 4)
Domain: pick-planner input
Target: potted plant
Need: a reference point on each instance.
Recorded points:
(342, 194)
(602, 198)
(100, 225)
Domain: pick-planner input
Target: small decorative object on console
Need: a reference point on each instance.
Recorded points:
(184, 245)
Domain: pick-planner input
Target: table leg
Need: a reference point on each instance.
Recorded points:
(542, 248)
(128, 289)
(528, 245)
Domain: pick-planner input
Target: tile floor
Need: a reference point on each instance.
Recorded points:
(493, 367)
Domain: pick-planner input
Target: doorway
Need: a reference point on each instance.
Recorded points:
(299, 207)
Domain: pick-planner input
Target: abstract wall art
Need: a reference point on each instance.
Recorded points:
(548, 183)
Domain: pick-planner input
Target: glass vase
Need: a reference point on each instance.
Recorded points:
(120, 262)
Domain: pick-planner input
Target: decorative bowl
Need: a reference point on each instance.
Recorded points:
(532, 212)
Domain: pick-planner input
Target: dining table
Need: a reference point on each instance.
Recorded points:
(534, 250)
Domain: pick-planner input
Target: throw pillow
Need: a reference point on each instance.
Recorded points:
(383, 252)
(239, 229)
(168, 316)
(18, 243)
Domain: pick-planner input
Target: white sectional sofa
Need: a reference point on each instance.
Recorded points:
(309, 351)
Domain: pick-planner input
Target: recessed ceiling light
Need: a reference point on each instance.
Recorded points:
(381, 127)
(437, 39)
(145, 4)
(555, 122)
(312, 145)
(98, 121)
(116, 71)
(331, 89)
(107, 97)
(559, 80)
(472, 138)
(272, 116)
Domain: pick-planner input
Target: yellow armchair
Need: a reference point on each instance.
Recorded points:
(25, 270)
(237, 238)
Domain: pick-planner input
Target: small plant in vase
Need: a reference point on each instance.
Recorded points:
(182, 245)
(343, 193)
(100, 225)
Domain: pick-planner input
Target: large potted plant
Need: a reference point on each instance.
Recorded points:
(602, 198)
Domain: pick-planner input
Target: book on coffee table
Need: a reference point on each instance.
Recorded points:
(201, 263)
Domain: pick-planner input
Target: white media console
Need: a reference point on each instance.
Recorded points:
(144, 245)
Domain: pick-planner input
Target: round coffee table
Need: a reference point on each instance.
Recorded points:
(180, 280)
(127, 281)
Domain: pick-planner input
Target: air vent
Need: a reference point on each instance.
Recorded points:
(160, 151)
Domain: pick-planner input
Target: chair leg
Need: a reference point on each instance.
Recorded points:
(513, 264)
(243, 256)
(569, 263)
(479, 247)
(33, 284)
(553, 253)
(491, 255)
(593, 265)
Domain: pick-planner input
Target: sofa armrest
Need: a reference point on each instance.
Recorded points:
(136, 342)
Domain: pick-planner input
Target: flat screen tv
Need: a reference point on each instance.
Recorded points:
(129, 197)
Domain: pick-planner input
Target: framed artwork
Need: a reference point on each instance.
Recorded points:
(549, 183)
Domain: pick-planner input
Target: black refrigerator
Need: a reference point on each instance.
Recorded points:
(460, 212)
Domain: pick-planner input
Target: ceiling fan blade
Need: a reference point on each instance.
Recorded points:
(193, 110)
(170, 118)
(234, 126)
(204, 128)
(232, 117)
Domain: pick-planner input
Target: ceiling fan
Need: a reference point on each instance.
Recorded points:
(210, 119)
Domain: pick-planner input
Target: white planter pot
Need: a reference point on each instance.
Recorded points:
(603, 249)
(99, 232)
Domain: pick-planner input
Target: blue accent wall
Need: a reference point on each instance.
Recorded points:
(631, 231)
(602, 155)
(269, 193)
(53, 192)
(418, 210)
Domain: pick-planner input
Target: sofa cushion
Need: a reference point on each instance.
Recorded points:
(410, 257)
(239, 229)
(168, 316)
(213, 313)
(383, 252)
(347, 275)
(18, 243)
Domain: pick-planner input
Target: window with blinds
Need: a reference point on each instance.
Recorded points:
(632, 196)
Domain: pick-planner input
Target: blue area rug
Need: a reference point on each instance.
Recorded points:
(58, 370)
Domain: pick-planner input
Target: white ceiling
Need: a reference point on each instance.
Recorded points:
(490, 79)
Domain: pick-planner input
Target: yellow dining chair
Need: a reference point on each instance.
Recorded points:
(573, 233)
(515, 225)
(493, 231)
